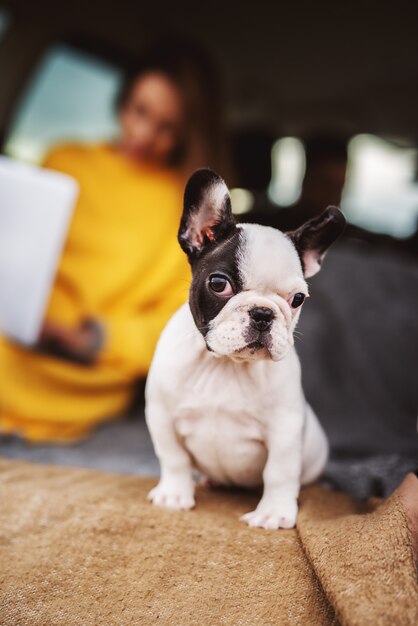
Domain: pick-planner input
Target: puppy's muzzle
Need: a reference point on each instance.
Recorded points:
(261, 317)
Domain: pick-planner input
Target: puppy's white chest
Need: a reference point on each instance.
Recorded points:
(219, 396)
(220, 424)
(226, 449)
(210, 420)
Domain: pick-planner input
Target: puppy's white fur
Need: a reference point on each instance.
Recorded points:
(238, 416)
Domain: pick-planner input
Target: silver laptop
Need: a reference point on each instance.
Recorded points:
(36, 206)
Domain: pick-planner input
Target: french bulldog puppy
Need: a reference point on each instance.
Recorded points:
(224, 393)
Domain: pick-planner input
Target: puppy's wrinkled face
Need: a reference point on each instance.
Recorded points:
(248, 282)
(247, 293)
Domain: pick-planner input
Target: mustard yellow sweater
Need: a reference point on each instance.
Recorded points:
(121, 264)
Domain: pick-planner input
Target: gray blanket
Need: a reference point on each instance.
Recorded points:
(359, 350)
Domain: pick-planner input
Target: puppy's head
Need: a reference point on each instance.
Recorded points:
(248, 282)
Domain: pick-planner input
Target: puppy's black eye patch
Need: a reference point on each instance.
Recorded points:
(209, 292)
(297, 300)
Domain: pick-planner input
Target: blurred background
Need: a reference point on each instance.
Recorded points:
(318, 105)
(288, 73)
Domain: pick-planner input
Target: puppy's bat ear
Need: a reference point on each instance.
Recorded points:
(207, 216)
(313, 238)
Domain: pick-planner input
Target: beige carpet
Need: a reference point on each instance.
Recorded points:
(84, 548)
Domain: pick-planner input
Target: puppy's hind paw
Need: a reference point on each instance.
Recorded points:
(272, 518)
(175, 499)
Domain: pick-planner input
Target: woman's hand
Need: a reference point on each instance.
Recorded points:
(81, 343)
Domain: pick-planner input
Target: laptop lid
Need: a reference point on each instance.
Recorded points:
(36, 206)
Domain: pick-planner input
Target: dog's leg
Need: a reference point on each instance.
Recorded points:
(176, 487)
(281, 476)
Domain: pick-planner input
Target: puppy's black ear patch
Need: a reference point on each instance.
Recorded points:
(207, 215)
(313, 238)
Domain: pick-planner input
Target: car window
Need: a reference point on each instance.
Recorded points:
(381, 188)
(69, 98)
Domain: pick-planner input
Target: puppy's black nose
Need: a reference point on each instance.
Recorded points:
(261, 317)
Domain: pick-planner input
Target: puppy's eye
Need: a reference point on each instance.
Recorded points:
(297, 300)
(220, 284)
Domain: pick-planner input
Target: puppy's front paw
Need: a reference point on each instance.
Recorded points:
(272, 516)
(174, 497)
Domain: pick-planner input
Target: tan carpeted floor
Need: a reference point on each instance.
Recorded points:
(84, 548)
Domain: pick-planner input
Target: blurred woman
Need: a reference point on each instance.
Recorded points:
(122, 273)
